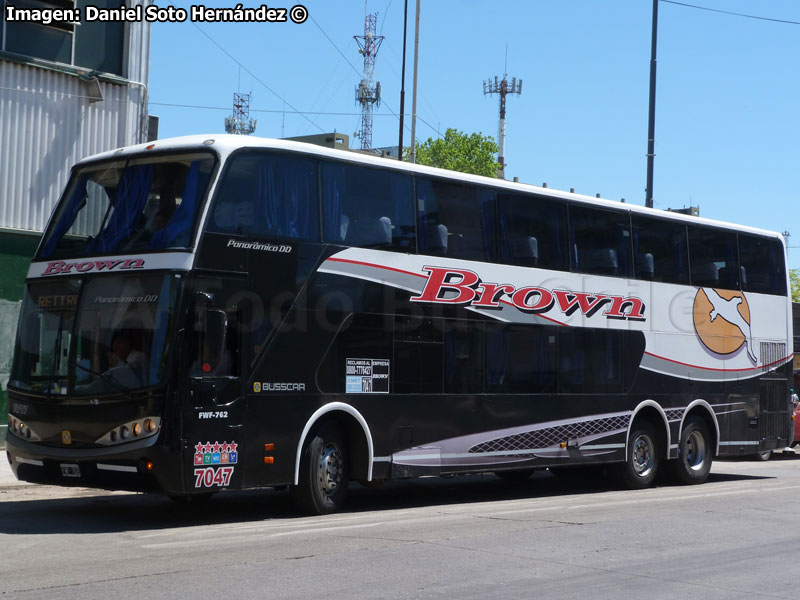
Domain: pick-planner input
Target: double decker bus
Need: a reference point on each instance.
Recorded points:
(227, 312)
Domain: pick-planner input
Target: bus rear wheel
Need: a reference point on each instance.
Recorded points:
(642, 460)
(322, 484)
(694, 453)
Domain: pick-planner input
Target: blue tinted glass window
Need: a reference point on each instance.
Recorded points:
(763, 267)
(367, 207)
(601, 241)
(456, 220)
(714, 258)
(268, 195)
(533, 231)
(660, 250)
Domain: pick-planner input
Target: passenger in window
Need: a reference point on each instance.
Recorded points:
(123, 354)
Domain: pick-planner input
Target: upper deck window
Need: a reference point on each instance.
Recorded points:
(601, 241)
(267, 195)
(456, 220)
(368, 208)
(714, 258)
(533, 231)
(659, 250)
(136, 205)
(763, 267)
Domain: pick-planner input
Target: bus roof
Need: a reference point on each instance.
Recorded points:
(224, 144)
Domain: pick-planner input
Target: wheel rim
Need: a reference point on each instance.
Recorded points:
(643, 456)
(331, 469)
(695, 451)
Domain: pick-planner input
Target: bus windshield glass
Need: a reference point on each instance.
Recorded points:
(101, 336)
(132, 204)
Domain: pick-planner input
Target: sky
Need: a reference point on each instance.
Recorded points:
(727, 124)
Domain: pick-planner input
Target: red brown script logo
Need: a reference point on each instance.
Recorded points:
(464, 288)
(59, 267)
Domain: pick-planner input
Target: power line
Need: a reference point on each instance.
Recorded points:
(311, 18)
(254, 76)
(727, 12)
(267, 110)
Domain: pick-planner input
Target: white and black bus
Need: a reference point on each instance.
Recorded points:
(230, 312)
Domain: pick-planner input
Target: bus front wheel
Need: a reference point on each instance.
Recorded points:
(642, 460)
(694, 453)
(322, 484)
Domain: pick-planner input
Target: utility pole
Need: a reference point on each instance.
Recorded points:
(368, 93)
(403, 83)
(502, 88)
(651, 123)
(414, 93)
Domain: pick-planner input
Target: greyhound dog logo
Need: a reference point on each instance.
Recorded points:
(722, 321)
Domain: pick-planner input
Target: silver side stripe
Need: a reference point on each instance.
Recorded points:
(29, 461)
(738, 443)
(601, 446)
(119, 468)
(415, 457)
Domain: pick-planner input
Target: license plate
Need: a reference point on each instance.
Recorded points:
(70, 470)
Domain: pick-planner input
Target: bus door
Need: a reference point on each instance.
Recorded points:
(214, 407)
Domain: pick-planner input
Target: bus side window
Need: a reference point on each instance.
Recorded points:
(602, 241)
(269, 196)
(521, 359)
(367, 207)
(532, 231)
(714, 258)
(762, 261)
(456, 220)
(660, 250)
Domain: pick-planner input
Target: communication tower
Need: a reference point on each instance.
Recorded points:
(240, 122)
(368, 93)
(502, 88)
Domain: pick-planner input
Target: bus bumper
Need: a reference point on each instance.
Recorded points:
(139, 466)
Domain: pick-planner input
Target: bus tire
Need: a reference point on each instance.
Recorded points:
(322, 483)
(694, 453)
(643, 458)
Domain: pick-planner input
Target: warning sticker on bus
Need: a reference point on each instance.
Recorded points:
(367, 376)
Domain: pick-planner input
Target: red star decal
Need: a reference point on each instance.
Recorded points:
(199, 448)
(226, 447)
(216, 447)
(233, 446)
(207, 448)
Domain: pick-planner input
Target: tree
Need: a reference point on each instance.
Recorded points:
(458, 151)
(794, 278)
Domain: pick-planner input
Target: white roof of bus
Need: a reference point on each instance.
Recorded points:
(224, 144)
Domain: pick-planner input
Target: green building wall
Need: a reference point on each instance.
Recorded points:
(16, 251)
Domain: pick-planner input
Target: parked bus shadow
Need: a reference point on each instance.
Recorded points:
(100, 512)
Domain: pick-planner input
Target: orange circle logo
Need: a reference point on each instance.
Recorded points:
(722, 321)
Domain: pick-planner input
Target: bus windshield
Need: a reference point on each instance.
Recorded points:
(137, 204)
(101, 336)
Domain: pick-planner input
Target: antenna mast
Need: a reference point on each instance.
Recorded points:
(368, 93)
(503, 88)
(240, 122)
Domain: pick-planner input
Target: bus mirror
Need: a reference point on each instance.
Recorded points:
(215, 326)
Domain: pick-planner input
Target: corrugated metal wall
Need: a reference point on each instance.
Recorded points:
(47, 123)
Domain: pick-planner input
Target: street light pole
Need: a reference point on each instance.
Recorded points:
(651, 125)
(403, 83)
(414, 93)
